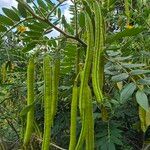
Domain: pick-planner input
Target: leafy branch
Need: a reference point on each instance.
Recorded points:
(30, 10)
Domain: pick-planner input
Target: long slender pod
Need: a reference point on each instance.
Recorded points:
(47, 70)
(95, 54)
(89, 122)
(73, 126)
(85, 78)
(97, 51)
(55, 84)
(30, 99)
(100, 61)
(83, 119)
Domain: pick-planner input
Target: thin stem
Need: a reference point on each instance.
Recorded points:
(52, 144)
(76, 17)
(54, 8)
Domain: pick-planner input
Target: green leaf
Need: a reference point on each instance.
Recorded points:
(127, 65)
(138, 72)
(146, 90)
(126, 32)
(3, 28)
(22, 10)
(28, 1)
(142, 100)
(145, 81)
(127, 91)
(111, 146)
(29, 47)
(116, 140)
(67, 26)
(59, 13)
(33, 33)
(122, 58)
(42, 24)
(81, 18)
(26, 110)
(11, 14)
(120, 77)
(49, 4)
(35, 27)
(42, 4)
(6, 21)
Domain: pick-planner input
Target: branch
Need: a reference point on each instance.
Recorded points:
(51, 24)
(64, 33)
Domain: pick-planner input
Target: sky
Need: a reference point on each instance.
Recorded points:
(65, 10)
(7, 3)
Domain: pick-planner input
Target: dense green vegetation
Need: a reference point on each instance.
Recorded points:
(88, 88)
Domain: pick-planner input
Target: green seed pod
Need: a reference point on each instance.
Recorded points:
(55, 84)
(73, 118)
(89, 122)
(100, 59)
(83, 119)
(30, 100)
(84, 79)
(47, 70)
(97, 70)
(81, 102)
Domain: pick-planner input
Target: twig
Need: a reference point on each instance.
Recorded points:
(52, 144)
(54, 8)
(57, 146)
